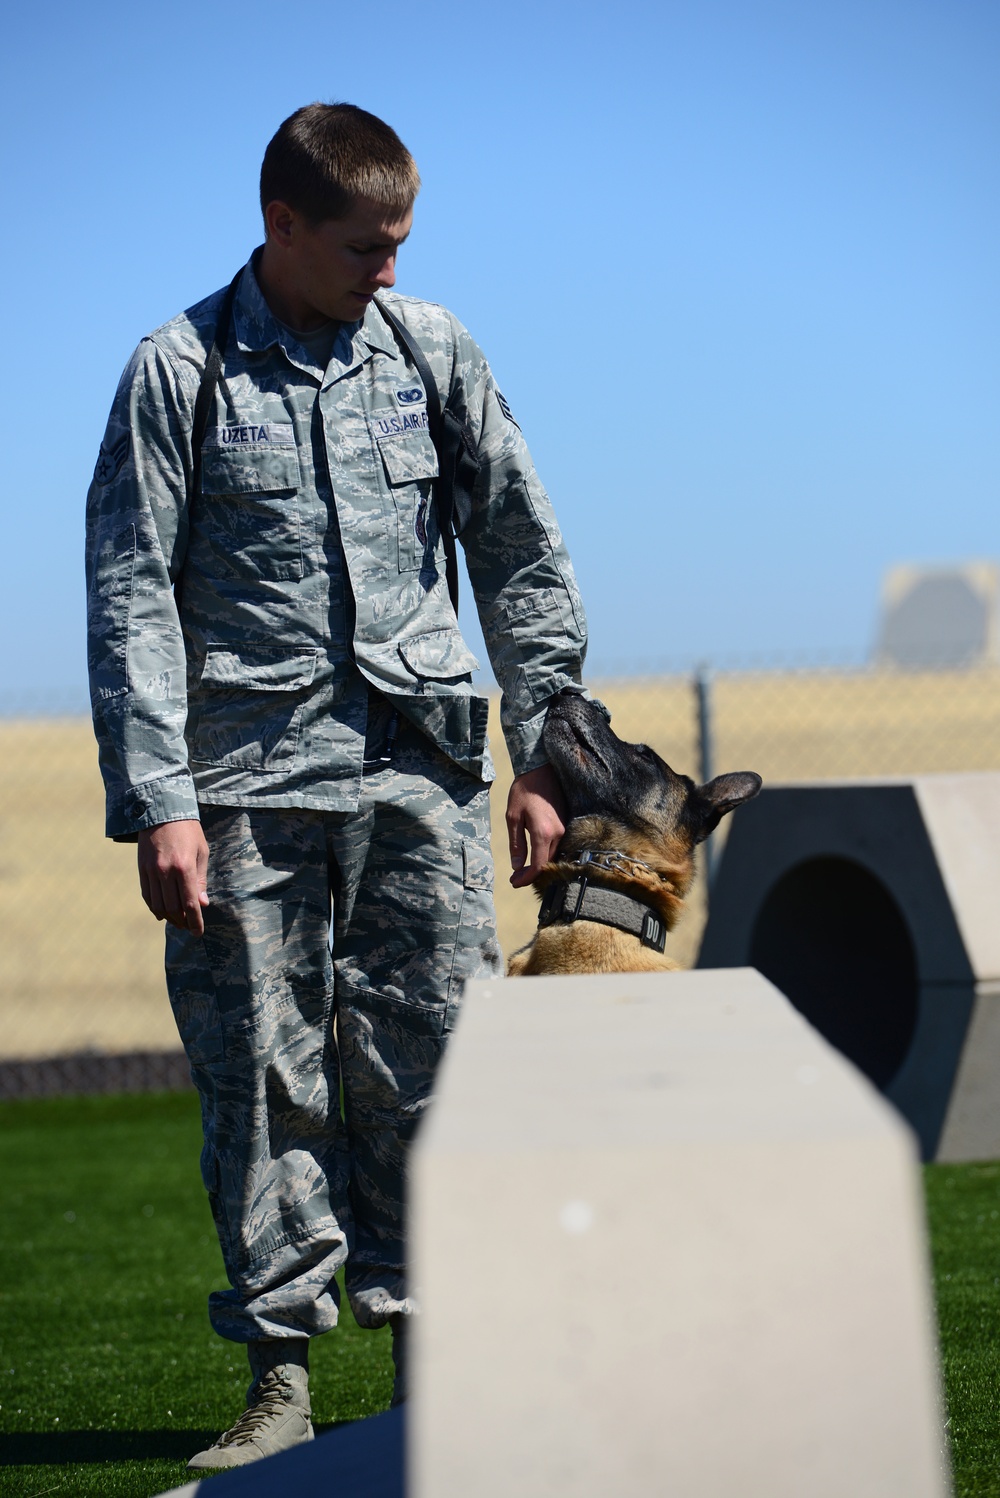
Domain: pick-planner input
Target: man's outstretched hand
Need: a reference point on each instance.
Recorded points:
(173, 873)
(536, 810)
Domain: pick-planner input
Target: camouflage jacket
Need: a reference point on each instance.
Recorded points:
(232, 640)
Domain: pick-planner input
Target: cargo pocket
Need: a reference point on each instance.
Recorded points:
(251, 508)
(411, 466)
(389, 1053)
(246, 706)
(441, 655)
(477, 863)
(477, 950)
(527, 636)
(443, 705)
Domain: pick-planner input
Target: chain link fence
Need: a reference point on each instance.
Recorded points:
(81, 966)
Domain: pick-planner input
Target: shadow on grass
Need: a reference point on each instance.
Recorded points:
(51, 1448)
(45, 1448)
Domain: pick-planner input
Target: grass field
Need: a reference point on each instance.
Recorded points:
(81, 960)
(110, 1376)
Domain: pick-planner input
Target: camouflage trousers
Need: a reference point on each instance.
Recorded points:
(276, 1027)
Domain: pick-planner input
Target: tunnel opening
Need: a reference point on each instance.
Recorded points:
(831, 937)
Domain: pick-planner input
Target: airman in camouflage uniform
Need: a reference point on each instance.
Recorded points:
(287, 721)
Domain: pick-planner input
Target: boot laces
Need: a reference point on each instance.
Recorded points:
(271, 1399)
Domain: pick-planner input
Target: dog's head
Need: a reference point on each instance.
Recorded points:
(624, 795)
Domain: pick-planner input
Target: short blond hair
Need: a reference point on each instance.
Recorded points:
(325, 156)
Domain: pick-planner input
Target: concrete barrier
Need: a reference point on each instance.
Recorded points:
(875, 906)
(667, 1241)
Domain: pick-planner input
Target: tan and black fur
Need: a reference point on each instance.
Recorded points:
(623, 798)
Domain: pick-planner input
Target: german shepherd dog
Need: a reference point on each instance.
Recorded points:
(626, 859)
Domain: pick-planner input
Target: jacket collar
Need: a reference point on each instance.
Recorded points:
(258, 330)
(377, 333)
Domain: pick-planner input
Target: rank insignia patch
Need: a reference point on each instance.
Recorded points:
(506, 410)
(110, 459)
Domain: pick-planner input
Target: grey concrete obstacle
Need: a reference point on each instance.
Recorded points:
(875, 906)
(666, 1240)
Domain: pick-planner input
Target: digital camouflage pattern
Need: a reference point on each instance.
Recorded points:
(241, 648)
(263, 1012)
(222, 633)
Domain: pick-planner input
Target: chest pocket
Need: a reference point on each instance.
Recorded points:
(410, 462)
(245, 704)
(252, 501)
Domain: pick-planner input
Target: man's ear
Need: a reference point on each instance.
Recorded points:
(280, 221)
(723, 794)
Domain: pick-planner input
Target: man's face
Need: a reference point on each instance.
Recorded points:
(337, 266)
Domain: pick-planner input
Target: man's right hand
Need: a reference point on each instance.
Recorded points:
(173, 873)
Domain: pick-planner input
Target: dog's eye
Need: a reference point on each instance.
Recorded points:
(644, 750)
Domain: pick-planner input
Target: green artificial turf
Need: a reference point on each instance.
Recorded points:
(110, 1375)
(963, 1208)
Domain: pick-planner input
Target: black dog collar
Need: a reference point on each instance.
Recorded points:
(579, 900)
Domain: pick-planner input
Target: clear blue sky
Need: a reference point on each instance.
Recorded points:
(735, 264)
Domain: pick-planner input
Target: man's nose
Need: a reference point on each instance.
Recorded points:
(385, 276)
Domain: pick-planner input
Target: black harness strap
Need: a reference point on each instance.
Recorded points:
(454, 449)
(210, 378)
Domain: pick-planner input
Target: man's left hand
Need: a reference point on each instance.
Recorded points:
(536, 810)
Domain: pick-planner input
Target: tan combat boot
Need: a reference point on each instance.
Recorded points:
(277, 1412)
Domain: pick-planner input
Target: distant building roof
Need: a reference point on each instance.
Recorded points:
(939, 617)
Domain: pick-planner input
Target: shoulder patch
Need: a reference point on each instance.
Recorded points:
(501, 402)
(110, 459)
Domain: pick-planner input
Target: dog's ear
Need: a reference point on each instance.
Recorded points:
(723, 794)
